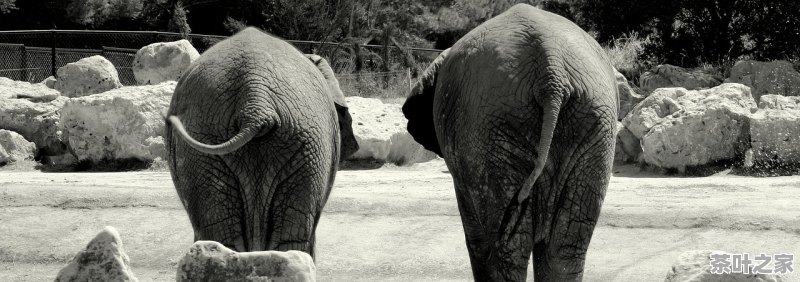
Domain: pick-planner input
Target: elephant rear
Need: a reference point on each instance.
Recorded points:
(266, 144)
(523, 112)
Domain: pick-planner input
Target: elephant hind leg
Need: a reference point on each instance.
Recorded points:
(494, 256)
(561, 254)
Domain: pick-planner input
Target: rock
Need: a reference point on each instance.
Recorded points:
(749, 159)
(87, 76)
(380, 130)
(775, 77)
(37, 122)
(50, 82)
(694, 266)
(164, 61)
(779, 102)
(104, 259)
(628, 148)
(665, 76)
(775, 136)
(680, 128)
(211, 261)
(14, 147)
(628, 98)
(118, 124)
(11, 89)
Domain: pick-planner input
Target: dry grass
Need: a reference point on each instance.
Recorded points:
(391, 87)
(625, 54)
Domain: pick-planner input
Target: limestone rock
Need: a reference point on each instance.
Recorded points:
(50, 82)
(775, 136)
(628, 98)
(87, 76)
(665, 76)
(164, 61)
(680, 128)
(779, 102)
(14, 147)
(775, 77)
(104, 259)
(628, 148)
(119, 124)
(35, 92)
(37, 122)
(381, 134)
(694, 266)
(211, 261)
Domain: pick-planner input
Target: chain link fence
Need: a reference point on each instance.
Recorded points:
(363, 70)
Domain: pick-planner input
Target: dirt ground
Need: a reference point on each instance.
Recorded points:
(396, 223)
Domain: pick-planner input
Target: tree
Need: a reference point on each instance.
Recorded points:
(6, 6)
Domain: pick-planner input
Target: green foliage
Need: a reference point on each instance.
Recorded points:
(681, 32)
(94, 13)
(179, 21)
(6, 6)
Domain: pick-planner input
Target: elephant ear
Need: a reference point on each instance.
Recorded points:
(349, 145)
(418, 108)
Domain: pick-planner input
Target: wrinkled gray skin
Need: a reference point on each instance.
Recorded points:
(523, 110)
(253, 139)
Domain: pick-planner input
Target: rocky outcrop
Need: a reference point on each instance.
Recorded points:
(14, 147)
(104, 259)
(87, 76)
(680, 128)
(380, 130)
(775, 136)
(10, 89)
(664, 76)
(164, 61)
(628, 98)
(779, 102)
(37, 122)
(694, 266)
(119, 124)
(211, 261)
(775, 77)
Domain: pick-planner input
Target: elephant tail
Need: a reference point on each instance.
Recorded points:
(233, 144)
(551, 109)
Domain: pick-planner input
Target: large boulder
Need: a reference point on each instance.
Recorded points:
(680, 128)
(775, 135)
(775, 77)
(380, 130)
(35, 92)
(164, 61)
(14, 147)
(665, 76)
(37, 122)
(87, 76)
(104, 259)
(695, 266)
(120, 124)
(211, 261)
(628, 98)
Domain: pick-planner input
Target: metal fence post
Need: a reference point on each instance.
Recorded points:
(53, 54)
(25, 74)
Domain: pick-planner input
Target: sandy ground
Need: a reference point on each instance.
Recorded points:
(396, 223)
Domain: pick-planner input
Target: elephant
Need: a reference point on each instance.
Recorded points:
(255, 131)
(522, 109)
